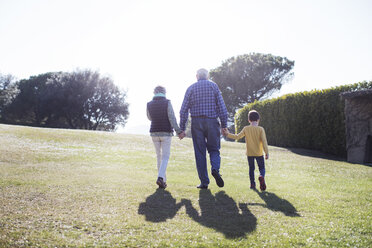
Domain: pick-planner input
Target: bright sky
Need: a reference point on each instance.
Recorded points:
(144, 43)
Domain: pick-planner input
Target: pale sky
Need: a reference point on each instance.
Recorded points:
(145, 43)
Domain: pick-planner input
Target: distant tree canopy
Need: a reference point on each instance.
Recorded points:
(249, 77)
(8, 91)
(77, 100)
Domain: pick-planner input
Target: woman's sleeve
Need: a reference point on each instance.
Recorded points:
(172, 118)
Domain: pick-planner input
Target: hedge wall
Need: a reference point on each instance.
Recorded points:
(311, 119)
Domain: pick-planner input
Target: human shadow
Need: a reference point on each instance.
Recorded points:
(159, 206)
(221, 213)
(275, 203)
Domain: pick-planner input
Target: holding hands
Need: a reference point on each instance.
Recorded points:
(182, 135)
(224, 131)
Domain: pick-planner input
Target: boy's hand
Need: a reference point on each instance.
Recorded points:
(266, 156)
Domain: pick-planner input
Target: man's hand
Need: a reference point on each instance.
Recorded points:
(182, 135)
(224, 131)
(266, 156)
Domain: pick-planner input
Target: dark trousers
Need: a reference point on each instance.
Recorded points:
(206, 137)
(261, 167)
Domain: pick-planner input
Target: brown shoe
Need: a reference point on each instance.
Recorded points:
(262, 183)
(161, 183)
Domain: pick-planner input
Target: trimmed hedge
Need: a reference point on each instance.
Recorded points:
(311, 119)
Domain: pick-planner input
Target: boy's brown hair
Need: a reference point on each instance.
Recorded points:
(253, 115)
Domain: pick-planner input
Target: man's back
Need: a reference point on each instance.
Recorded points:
(203, 99)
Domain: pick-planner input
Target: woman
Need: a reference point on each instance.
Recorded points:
(163, 122)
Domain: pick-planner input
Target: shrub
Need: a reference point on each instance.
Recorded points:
(311, 119)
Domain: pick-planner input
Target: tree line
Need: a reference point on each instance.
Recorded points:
(82, 99)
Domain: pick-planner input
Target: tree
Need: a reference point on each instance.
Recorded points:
(8, 91)
(6, 81)
(250, 77)
(78, 100)
(88, 101)
(28, 107)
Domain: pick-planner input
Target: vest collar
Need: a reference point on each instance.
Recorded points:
(159, 95)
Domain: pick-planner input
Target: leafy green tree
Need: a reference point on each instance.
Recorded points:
(250, 77)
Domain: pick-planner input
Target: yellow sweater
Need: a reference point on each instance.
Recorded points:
(255, 139)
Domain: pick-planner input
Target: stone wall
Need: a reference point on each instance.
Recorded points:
(358, 112)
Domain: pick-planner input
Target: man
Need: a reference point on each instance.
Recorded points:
(204, 102)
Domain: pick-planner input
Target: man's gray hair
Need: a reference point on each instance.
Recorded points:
(202, 74)
(159, 89)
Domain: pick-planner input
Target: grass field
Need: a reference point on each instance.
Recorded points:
(67, 188)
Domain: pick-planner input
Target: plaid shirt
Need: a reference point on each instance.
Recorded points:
(203, 98)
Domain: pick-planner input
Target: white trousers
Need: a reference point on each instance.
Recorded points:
(162, 147)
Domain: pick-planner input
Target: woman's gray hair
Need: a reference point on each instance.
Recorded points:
(159, 89)
(202, 74)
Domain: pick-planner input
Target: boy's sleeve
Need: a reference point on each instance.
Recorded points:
(264, 141)
(237, 136)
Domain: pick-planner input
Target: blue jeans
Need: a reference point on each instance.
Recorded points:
(206, 137)
(261, 167)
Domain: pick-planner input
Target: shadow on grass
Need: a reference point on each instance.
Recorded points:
(221, 213)
(159, 206)
(275, 203)
(218, 211)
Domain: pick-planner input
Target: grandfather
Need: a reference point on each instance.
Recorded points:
(204, 102)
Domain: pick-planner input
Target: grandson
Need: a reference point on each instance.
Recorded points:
(255, 139)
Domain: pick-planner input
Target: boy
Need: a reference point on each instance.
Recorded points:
(255, 139)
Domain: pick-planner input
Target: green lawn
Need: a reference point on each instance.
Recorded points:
(67, 188)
